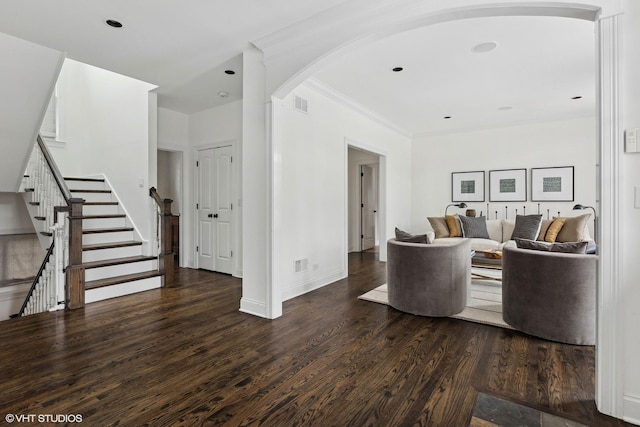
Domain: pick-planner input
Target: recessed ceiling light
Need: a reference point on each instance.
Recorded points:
(447, 117)
(484, 47)
(230, 72)
(397, 69)
(576, 97)
(223, 94)
(113, 23)
(505, 108)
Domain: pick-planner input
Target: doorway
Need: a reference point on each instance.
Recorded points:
(214, 209)
(363, 195)
(169, 183)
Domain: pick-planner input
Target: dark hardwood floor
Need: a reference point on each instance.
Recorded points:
(187, 356)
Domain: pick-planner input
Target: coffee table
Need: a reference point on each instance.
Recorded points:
(486, 268)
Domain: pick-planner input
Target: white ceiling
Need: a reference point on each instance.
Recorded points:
(184, 48)
(539, 65)
(181, 46)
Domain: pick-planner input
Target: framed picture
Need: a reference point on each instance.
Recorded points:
(467, 186)
(552, 184)
(508, 185)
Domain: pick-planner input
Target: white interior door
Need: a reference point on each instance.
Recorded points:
(368, 207)
(214, 209)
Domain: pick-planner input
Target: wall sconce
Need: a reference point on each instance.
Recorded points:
(461, 205)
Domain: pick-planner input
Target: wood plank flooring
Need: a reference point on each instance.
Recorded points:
(186, 356)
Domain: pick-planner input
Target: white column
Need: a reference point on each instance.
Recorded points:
(257, 236)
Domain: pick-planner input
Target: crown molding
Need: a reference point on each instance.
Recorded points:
(348, 102)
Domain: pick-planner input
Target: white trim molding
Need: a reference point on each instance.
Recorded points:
(313, 284)
(632, 409)
(609, 354)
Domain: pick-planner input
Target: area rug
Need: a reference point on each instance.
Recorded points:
(491, 411)
(484, 305)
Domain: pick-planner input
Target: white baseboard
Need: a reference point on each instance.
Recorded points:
(238, 273)
(107, 292)
(256, 308)
(313, 284)
(631, 409)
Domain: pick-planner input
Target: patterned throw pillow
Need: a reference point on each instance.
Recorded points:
(453, 225)
(403, 236)
(474, 227)
(527, 227)
(543, 229)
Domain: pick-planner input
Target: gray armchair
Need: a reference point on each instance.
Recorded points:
(428, 279)
(550, 295)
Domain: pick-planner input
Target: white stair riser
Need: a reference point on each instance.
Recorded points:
(120, 236)
(103, 223)
(119, 270)
(100, 210)
(93, 197)
(86, 185)
(104, 254)
(99, 294)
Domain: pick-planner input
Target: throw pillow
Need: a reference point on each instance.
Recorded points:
(543, 229)
(531, 244)
(474, 227)
(552, 232)
(527, 227)
(567, 248)
(573, 228)
(452, 225)
(403, 236)
(439, 226)
(570, 247)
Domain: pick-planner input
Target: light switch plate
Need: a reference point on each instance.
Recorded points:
(636, 202)
(631, 140)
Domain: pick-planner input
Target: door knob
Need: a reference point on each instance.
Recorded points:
(210, 216)
(215, 215)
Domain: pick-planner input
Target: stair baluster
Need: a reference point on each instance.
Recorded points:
(163, 236)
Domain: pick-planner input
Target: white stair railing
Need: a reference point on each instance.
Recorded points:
(50, 194)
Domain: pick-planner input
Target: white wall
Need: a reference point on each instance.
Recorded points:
(558, 143)
(27, 78)
(173, 130)
(630, 207)
(210, 128)
(14, 217)
(356, 158)
(105, 130)
(311, 221)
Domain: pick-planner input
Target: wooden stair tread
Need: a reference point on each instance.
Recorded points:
(46, 233)
(84, 179)
(40, 218)
(77, 190)
(117, 261)
(34, 203)
(97, 246)
(106, 230)
(93, 284)
(100, 203)
(103, 216)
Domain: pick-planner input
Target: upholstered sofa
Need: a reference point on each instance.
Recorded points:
(550, 295)
(428, 279)
(500, 232)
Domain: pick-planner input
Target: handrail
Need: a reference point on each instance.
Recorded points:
(54, 170)
(155, 196)
(35, 281)
(163, 234)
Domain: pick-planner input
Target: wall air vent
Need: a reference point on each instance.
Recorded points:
(299, 103)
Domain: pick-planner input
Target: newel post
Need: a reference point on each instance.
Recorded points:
(75, 271)
(166, 246)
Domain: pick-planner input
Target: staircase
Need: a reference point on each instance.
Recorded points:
(112, 251)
